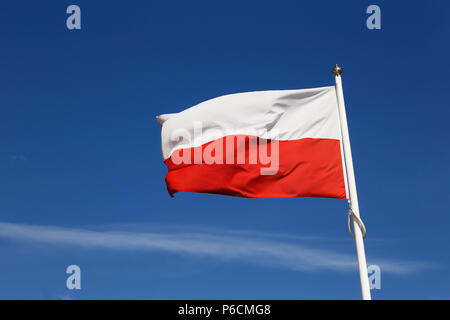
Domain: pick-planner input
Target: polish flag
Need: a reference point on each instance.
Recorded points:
(264, 144)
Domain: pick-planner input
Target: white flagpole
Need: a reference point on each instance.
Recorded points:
(362, 265)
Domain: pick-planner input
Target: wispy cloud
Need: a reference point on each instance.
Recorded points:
(18, 157)
(262, 250)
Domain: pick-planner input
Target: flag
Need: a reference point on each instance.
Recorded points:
(263, 144)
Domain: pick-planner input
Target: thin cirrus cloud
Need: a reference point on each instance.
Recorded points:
(263, 251)
(18, 157)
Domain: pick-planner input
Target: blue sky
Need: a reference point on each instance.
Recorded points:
(81, 174)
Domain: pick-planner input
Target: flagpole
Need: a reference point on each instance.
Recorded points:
(353, 200)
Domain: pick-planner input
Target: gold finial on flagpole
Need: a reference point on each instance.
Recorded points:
(337, 70)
